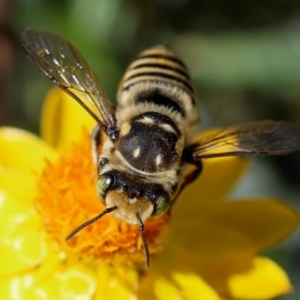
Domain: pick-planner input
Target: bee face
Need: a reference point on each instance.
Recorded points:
(132, 197)
(128, 207)
(149, 133)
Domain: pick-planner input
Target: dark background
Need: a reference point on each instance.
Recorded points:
(243, 55)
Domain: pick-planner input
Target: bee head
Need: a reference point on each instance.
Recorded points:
(132, 197)
(130, 201)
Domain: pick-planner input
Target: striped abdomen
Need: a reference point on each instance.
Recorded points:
(159, 64)
(159, 71)
(156, 109)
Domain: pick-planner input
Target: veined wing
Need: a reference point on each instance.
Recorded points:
(62, 62)
(263, 138)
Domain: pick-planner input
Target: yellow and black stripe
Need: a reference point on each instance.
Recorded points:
(159, 64)
(157, 107)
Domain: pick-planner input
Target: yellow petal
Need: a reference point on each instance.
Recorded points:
(26, 183)
(170, 278)
(226, 237)
(18, 287)
(227, 230)
(15, 213)
(22, 251)
(116, 283)
(34, 284)
(266, 221)
(21, 244)
(63, 119)
(192, 287)
(75, 282)
(188, 287)
(164, 289)
(22, 150)
(218, 177)
(78, 282)
(265, 280)
(204, 240)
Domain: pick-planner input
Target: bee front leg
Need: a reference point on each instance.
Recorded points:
(189, 178)
(96, 140)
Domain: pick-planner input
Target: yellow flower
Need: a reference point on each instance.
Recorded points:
(206, 250)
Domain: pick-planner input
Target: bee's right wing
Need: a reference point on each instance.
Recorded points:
(62, 62)
(263, 138)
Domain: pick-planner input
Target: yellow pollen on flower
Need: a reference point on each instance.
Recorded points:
(67, 198)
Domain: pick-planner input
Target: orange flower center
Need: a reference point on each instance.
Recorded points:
(67, 198)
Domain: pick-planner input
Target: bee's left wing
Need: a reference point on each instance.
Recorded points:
(258, 138)
(62, 62)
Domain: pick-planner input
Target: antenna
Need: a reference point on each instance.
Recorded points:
(106, 211)
(145, 245)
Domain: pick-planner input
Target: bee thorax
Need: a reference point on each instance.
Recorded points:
(151, 144)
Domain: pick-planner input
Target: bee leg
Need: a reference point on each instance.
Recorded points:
(96, 140)
(189, 178)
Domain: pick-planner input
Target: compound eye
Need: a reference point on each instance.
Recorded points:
(162, 204)
(104, 182)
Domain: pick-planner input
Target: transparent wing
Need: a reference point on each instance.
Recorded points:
(257, 138)
(62, 62)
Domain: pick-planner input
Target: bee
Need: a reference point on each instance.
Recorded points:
(150, 135)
